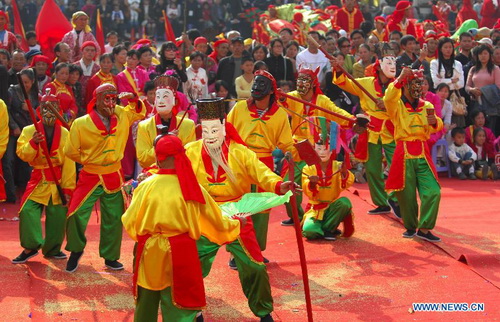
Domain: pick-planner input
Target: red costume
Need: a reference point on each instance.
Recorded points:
(66, 97)
(9, 40)
(396, 23)
(490, 11)
(348, 20)
(97, 80)
(466, 13)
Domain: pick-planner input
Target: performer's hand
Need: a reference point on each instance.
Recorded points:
(405, 74)
(174, 132)
(38, 137)
(68, 198)
(380, 105)
(16, 132)
(241, 218)
(314, 179)
(334, 63)
(126, 95)
(287, 185)
(431, 119)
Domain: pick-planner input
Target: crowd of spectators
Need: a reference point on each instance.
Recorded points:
(462, 75)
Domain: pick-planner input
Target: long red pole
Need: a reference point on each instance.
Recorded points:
(298, 235)
(43, 144)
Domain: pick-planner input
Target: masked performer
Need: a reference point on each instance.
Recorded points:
(226, 168)
(164, 121)
(167, 267)
(263, 126)
(412, 169)
(308, 89)
(97, 141)
(41, 192)
(379, 140)
(323, 183)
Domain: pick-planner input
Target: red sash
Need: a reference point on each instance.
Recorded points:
(188, 290)
(377, 125)
(37, 176)
(396, 179)
(3, 195)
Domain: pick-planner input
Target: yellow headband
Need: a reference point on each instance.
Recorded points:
(78, 14)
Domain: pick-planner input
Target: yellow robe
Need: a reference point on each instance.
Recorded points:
(300, 127)
(147, 132)
(262, 134)
(4, 128)
(245, 166)
(368, 106)
(101, 153)
(326, 194)
(27, 152)
(146, 215)
(409, 125)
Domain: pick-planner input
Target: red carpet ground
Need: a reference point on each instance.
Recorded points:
(375, 275)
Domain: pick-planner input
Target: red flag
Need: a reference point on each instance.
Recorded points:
(169, 32)
(99, 32)
(18, 26)
(51, 26)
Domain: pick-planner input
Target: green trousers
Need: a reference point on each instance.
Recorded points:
(298, 196)
(260, 225)
(30, 227)
(333, 216)
(419, 177)
(375, 171)
(253, 276)
(111, 225)
(146, 308)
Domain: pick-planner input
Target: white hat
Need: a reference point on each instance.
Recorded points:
(486, 41)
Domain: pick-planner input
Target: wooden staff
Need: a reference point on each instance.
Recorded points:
(330, 57)
(283, 94)
(43, 144)
(58, 116)
(298, 235)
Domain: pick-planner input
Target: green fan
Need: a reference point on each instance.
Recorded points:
(254, 203)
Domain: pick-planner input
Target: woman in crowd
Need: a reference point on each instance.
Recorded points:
(170, 60)
(344, 46)
(103, 76)
(365, 59)
(483, 84)
(119, 59)
(449, 71)
(64, 92)
(280, 67)
(146, 59)
(259, 52)
(478, 120)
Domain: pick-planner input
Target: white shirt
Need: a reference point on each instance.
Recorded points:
(197, 82)
(306, 59)
(438, 77)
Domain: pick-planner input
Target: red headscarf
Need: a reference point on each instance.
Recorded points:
(171, 146)
(43, 59)
(6, 16)
(399, 14)
(268, 75)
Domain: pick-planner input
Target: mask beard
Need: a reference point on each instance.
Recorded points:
(218, 159)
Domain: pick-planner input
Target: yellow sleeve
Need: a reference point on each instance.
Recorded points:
(346, 84)
(217, 228)
(131, 111)
(285, 139)
(133, 212)
(4, 128)
(328, 104)
(73, 143)
(350, 181)
(188, 131)
(68, 180)
(259, 172)
(307, 171)
(145, 151)
(26, 150)
(391, 99)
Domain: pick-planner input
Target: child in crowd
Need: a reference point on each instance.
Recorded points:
(32, 41)
(149, 100)
(112, 38)
(461, 155)
(197, 83)
(222, 90)
(244, 82)
(285, 86)
(259, 65)
(485, 167)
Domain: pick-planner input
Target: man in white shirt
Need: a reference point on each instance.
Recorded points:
(312, 58)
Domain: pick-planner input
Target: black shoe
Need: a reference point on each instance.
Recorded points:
(337, 232)
(494, 171)
(288, 222)
(409, 233)
(199, 318)
(472, 176)
(59, 255)
(328, 235)
(429, 237)
(73, 260)
(23, 257)
(380, 210)
(114, 265)
(267, 318)
(484, 171)
(232, 264)
(266, 261)
(395, 208)
(462, 176)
